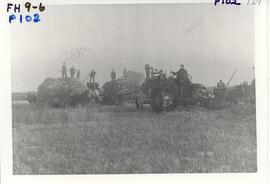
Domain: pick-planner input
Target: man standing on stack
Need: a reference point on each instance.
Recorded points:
(113, 74)
(64, 70)
(72, 71)
(92, 76)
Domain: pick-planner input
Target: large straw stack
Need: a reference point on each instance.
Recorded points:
(131, 81)
(56, 92)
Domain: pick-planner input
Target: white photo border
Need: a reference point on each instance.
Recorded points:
(261, 114)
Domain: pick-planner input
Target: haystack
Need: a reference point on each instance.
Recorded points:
(133, 78)
(57, 91)
(131, 81)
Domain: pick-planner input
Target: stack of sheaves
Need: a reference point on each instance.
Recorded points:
(134, 78)
(57, 91)
(130, 81)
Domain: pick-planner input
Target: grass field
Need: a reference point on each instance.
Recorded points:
(107, 140)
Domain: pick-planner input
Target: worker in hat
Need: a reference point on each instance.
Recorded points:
(113, 74)
(92, 76)
(181, 74)
(64, 70)
(221, 84)
(72, 71)
(183, 82)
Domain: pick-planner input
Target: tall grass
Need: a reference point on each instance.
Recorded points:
(109, 140)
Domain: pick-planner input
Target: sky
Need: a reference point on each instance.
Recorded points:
(211, 41)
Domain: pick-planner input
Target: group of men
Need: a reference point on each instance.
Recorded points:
(72, 71)
(182, 75)
(151, 72)
(78, 72)
(93, 73)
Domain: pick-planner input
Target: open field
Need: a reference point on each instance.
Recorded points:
(107, 140)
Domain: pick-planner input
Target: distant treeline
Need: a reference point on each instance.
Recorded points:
(18, 96)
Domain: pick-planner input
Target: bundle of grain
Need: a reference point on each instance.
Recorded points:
(56, 92)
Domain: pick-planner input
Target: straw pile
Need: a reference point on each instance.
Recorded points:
(131, 81)
(57, 91)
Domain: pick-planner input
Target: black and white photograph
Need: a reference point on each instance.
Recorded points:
(133, 89)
